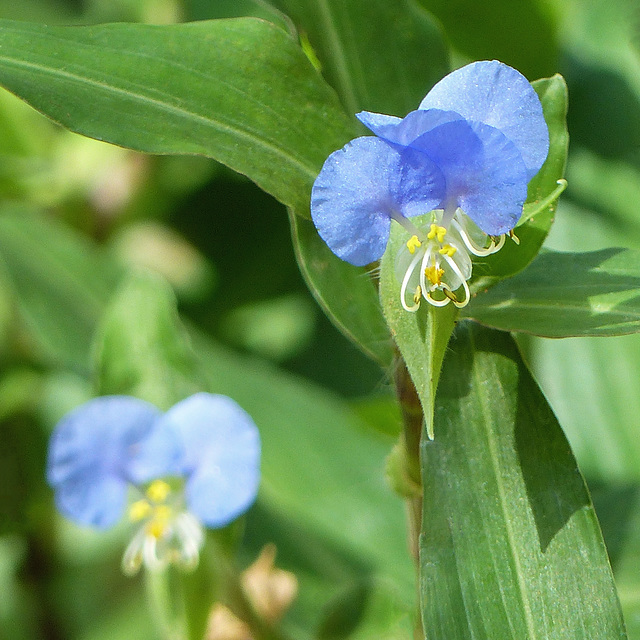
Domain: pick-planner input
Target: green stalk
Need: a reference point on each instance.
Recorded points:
(413, 420)
(166, 603)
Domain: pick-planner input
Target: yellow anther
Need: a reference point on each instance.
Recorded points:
(139, 510)
(417, 295)
(448, 250)
(438, 232)
(413, 243)
(514, 237)
(156, 528)
(434, 275)
(161, 517)
(158, 491)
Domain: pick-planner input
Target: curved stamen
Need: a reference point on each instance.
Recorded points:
(190, 537)
(405, 283)
(150, 554)
(465, 301)
(473, 247)
(132, 558)
(501, 240)
(436, 303)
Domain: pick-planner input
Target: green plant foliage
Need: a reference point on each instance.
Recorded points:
(508, 541)
(140, 327)
(517, 29)
(421, 337)
(59, 271)
(506, 510)
(348, 294)
(567, 294)
(366, 46)
(140, 346)
(195, 82)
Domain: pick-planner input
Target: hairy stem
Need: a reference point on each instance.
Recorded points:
(413, 420)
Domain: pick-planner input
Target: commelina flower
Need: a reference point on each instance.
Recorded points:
(464, 157)
(195, 465)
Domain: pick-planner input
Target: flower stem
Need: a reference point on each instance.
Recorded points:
(413, 420)
(166, 604)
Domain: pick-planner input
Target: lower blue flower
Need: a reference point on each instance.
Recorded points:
(197, 464)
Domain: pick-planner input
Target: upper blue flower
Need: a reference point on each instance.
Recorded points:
(111, 443)
(476, 140)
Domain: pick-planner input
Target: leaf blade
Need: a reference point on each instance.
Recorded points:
(192, 88)
(368, 46)
(563, 295)
(505, 509)
(347, 294)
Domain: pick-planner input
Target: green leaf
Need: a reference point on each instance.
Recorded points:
(381, 56)
(567, 294)
(141, 347)
(511, 546)
(502, 29)
(207, 10)
(539, 210)
(347, 294)
(618, 508)
(367, 610)
(240, 91)
(592, 386)
(60, 281)
(422, 336)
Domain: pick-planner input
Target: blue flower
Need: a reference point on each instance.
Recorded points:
(465, 157)
(206, 448)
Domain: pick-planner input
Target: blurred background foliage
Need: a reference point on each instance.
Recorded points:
(77, 214)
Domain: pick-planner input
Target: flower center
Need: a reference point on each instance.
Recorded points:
(168, 533)
(436, 265)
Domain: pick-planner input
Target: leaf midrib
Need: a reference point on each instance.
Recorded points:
(304, 168)
(486, 421)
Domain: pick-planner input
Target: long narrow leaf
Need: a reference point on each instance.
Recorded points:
(511, 546)
(240, 91)
(567, 294)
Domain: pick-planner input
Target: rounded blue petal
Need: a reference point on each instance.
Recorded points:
(221, 462)
(220, 493)
(89, 456)
(493, 93)
(497, 198)
(404, 131)
(361, 187)
(158, 454)
(485, 174)
(98, 501)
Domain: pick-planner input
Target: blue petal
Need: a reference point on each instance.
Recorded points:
(484, 172)
(97, 501)
(404, 131)
(220, 493)
(377, 121)
(221, 461)
(158, 454)
(361, 187)
(493, 93)
(89, 454)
